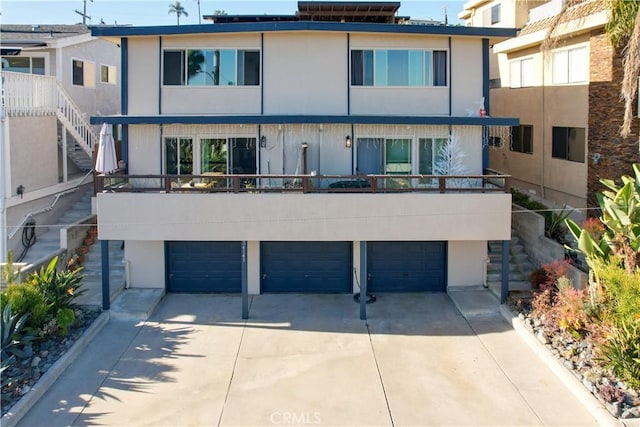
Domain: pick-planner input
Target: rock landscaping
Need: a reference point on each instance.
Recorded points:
(39, 356)
(580, 357)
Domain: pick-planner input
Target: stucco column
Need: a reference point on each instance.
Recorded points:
(104, 249)
(505, 272)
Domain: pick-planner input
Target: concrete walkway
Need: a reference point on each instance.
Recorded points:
(309, 360)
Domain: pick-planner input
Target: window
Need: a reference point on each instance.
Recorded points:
(215, 67)
(429, 152)
(398, 68)
(522, 139)
(108, 74)
(568, 144)
(83, 73)
(521, 73)
(397, 157)
(23, 64)
(189, 156)
(570, 66)
(495, 14)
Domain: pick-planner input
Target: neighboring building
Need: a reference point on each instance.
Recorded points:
(568, 101)
(54, 77)
(325, 120)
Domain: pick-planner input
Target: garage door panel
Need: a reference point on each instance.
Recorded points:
(322, 267)
(204, 267)
(406, 266)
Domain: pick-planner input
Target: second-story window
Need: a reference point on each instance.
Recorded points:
(211, 67)
(398, 67)
(522, 139)
(83, 73)
(521, 73)
(495, 14)
(570, 66)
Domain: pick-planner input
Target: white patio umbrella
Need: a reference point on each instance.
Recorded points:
(106, 161)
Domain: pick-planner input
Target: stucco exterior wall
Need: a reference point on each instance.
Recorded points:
(146, 263)
(104, 98)
(315, 85)
(466, 263)
(143, 75)
(304, 217)
(466, 76)
(33, 151)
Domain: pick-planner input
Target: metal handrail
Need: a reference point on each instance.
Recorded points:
(48, 208)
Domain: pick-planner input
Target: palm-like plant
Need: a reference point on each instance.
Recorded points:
(178, 9)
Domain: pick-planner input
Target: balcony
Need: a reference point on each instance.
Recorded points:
(304, 207)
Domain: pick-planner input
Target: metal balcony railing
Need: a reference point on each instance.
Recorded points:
(222, 183)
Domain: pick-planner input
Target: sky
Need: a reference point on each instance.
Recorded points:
(154, 12)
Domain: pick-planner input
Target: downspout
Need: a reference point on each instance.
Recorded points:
(127, 273)
(3, 172)
(543, 130)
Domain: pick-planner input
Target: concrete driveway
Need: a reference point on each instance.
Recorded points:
(308, 360)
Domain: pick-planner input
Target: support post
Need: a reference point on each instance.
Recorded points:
(504, 290)
(65, 173)
(363, 280)
(245, 285)
(104, 249)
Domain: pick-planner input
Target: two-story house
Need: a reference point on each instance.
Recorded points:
(301, 154)
(567, 99)
(54, 78)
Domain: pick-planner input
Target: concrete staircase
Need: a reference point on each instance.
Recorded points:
(519, 266)
(48, 242)
(75, 152)
(92, 273)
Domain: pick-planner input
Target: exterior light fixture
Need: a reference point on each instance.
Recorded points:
(347, 141)
(263, 141)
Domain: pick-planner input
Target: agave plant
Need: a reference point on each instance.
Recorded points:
(13, 341)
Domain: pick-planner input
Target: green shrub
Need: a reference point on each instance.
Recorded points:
(622, 291)
(59, 288)
(622, 352)
(26, 299)
(65, 319)
(553, 222)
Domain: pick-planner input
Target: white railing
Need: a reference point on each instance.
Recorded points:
(28, 94)
(33, 95)
(75, 122)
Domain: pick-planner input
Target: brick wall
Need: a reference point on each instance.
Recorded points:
(606, 111)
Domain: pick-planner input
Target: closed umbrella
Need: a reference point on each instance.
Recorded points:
(106, 161)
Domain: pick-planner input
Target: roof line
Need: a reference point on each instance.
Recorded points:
(354, 27)
(304, 119)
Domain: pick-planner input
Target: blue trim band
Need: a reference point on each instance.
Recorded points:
(124, 70)
(261, 73)
(301, 119)
(125, 143)
(256, 27)
(485, 94)
(160, 75)
(450, 78)
(348, 73)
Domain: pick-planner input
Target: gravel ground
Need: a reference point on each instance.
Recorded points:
(578, 356)
(41, 355)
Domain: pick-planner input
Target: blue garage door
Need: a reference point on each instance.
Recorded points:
(406, 266)
(306, 266)
(204, 267)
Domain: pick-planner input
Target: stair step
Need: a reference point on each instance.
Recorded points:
(513, 276)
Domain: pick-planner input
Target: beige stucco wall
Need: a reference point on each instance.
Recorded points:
(544, 106)
(104, 98)
(143, 75)
(304, 217)
(466, 263)
(305, 73)
(33, 151)
(146, 263)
